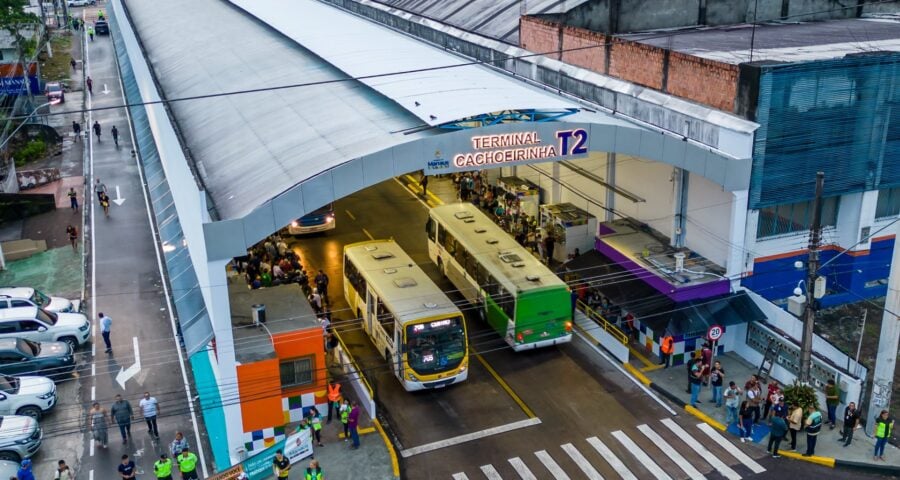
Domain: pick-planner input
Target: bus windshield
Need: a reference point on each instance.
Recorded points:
(436, 346)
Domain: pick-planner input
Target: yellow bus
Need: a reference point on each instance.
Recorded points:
(420, 332)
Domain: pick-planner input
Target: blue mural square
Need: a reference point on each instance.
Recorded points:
(257, 435)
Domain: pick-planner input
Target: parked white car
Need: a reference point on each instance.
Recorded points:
(20, 437)
(35, 324)
(28, 396)
(81, 3)
(34, 297)
(8, 469)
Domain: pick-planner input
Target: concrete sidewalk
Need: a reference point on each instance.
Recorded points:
(829, 450)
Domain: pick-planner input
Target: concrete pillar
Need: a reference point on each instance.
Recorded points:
(737, 233)
(886, 361)
(611, 182)
(681, 177)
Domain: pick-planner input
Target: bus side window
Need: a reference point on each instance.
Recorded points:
(429, 228)
(441, 235)
(350, 273)
(461, 255)
(386, 319)
(449, 243)
(470, 267)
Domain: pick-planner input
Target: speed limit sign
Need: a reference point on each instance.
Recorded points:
(715, 332)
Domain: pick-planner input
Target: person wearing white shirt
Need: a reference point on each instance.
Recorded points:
(150, 409)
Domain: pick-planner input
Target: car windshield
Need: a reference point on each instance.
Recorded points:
(49, 318)
(54, 88)
(435, 346)
(29, 348)
(40, 299)
(9, 384)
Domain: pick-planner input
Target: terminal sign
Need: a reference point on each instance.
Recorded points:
(498, 149)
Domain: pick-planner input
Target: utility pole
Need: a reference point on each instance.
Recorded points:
(886, 361)
(809, 317)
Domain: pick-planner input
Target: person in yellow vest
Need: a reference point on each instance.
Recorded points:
(345, 418)
(884, 426)
(314, 472)
(281, 465)
(163, 467)
(187, 464)
(666, 347)
(315, 420)
(334, 399)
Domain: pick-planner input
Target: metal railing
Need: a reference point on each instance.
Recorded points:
(605, 324)
(359, 371)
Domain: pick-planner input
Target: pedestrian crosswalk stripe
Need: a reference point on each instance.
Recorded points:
(582, 462)
(551, 465)
(731, 448)
(460, 476)
(521, 469)
(611, 459)
(639, 454)
(671, 453)
(490, 472)
(705, 454)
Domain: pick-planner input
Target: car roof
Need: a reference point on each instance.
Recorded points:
(8, 343)
(17, 313)
(17, 292)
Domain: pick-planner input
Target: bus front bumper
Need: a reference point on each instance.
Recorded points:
(520, 347)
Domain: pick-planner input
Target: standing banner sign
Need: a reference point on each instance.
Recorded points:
(299, 446)
(259, 466)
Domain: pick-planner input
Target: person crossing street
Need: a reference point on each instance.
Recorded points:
(122, 413)
(90, 85)
(97, 129)
(76, 129)
(115, 135)
(150, 409)
(105, 330)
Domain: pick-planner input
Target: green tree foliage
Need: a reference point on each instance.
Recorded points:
(803, 395)
(12, 13)
(33, 150)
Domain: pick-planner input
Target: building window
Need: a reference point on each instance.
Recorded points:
(297, 372)
(888, 203)
(794, 217)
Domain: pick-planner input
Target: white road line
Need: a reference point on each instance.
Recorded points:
(93, 349)
(368, 234)
(522, 469)
(671, 452)
(582, 462)
(156, 247)
(490, 472)
(91, 441)
(91, 475)
(460, 476)
(611, 459)
(705, 454)
(731, 448)
(641, 456)
(93, 392)
(93, 369)
(354, 218)
(555, 469)
(468, 437)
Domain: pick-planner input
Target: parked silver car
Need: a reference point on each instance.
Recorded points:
(20, 437)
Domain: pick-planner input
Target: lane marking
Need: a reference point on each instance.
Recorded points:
(582, 462)
(91, 475)
(413, 194)
(522, 469)
(555, 469)
(368, 234)
(125, 374)
(671, 452)
(91, 440)
(468, 437)
(460, 476)
(93, 369)
(705, 454)
(611, 459)
(156, 249)
(490, 472)
(505, 386)
(731, 448)
(93, 392)
(349, 214)
(641, 456)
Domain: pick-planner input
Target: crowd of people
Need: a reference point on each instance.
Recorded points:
(271, 263)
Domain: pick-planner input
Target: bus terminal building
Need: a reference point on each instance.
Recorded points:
(225, 172)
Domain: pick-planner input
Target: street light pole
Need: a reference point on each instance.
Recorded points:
(809, 317)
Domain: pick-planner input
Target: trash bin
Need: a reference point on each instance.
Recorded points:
(259, 313)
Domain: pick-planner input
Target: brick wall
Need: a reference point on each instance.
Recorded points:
(701, 80)
(539, 35)
(574, 41)
(638, 63)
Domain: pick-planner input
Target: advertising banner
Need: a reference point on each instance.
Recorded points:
(259, 466)
(299, 446)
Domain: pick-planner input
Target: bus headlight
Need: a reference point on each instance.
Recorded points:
(329, 219)
(569, 327)
(294, 224)
(411, 377)
(463, 368)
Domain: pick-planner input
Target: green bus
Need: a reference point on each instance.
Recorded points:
(518, 296)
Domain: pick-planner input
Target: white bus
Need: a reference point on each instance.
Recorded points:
(518, 296)
(420, 332)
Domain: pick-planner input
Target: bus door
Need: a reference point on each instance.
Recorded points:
(371, 311)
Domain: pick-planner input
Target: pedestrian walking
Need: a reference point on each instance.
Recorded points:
(314, 471)
(424, 184)
(90, 85)
(666, 348)
(150, 410)
(73, 64)
(178, 444)
(76, 129)
(777, 430)
(99, 425)
(90, 32)
(104, 203)
(122, 413)
(187, 464)
(127, 469)
(162, 468)
(105, 329)
(281, 465)
(73, 198)
(72, 233)
(851, 421)
(315, 300)
(813, 425)
(832, 399)
(716, 379)
(115, 134)
(745, 422)
(99, 187)
(795, 421)
(334, 399)
(884, 426)
(24, 472)
(322, 285)
(696, 381)
(63, 471)
(353, 423)
(97, 129)
(345, 418)
(732, 402)
(315, 420)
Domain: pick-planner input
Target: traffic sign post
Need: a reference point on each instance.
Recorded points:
(714, 333)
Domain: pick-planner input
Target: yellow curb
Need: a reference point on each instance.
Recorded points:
(395, 463)
(361, 431)
(637, 373)
(505, 386)
(653, 368)
(647, 363)
(824, 461)
(706, 418)
(417, 186)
